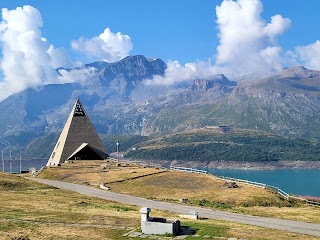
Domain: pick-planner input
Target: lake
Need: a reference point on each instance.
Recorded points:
(303, 182)
(25, 164)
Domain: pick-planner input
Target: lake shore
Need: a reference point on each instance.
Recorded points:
(274, 165)
(253, 165)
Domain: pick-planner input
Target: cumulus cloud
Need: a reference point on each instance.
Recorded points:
(309, 55)
(108, 46)
(28, 60)
(60, 58)
(247, 42)
(79, 75)
(176, 73)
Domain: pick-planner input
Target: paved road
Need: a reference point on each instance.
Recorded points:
(280, 224)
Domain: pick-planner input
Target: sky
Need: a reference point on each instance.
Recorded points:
(196, 39)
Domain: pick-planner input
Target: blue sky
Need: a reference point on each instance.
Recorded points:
(179, 30)
(196, 38)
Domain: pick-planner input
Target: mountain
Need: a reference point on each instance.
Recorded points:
(282, 109)
(37, 112)
(270, 110)
(119, 82)
(296, 79)
(222, 143)
(118, 102)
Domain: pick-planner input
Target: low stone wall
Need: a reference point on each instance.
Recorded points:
(168, 227)
(150, 225)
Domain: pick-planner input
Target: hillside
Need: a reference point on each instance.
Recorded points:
(42, 147)
(226, 144)
(296, 79)
(60, 214)
(171, 186)
(119, 103)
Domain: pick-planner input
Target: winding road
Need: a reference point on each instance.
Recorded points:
(274, 223)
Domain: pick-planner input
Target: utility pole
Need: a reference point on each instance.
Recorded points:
(2, 161)
(20, 162)
(10, 161)
(118, 152)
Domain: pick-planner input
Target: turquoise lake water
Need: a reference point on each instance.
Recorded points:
(303, 182)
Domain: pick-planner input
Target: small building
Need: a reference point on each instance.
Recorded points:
(78, 139)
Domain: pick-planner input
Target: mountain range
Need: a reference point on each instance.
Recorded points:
(118, 102)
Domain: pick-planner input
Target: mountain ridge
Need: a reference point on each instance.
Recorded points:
(118, 102)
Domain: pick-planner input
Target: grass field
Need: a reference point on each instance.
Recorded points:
(96, 172)
(198, 190)
(32, 211)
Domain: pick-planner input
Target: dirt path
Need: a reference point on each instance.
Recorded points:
(280, 224)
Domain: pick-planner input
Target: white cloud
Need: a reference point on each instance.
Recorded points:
(247, 43)
(28, 60)
(309, 55)
(59, 57)
(175, 73)
(79, 75)
(108, 46)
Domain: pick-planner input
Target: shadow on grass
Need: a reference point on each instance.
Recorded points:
(186, 230)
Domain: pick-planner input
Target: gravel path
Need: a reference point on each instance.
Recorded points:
(280, 224)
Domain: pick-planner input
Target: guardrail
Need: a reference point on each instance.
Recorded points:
(312, 203)
(184, 169)
(39, 171)
(309, 202)
(248, 182)
(283, 193)
(141, 163)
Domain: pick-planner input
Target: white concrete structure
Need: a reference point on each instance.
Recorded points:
(191, 215)
(78, 139)
(150, 225)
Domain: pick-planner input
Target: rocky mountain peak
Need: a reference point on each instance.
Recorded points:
(205, 84)
(299, 72)
(136, 61)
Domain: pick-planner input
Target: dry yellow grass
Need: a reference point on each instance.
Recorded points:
(171, 186)
(177, 185)
(40, 212)
(209, 192)
(95, 172)
(253, 232)
(37, 211)
(302, 213)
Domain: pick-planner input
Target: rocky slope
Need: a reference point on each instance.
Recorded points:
(118, 102)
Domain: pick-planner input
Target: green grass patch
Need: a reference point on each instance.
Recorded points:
(120, 208)
(7, 226)
(206, 229)
(211, 204)
(114, 207)
(270, 202)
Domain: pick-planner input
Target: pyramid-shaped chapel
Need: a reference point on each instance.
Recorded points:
(78, 139)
